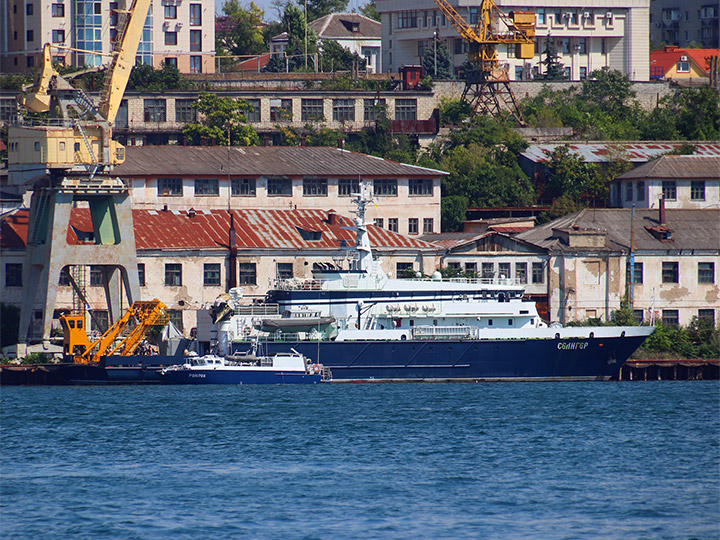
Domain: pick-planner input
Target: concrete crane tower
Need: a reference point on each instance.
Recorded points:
(66, 157)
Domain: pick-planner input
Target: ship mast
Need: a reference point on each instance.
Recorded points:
(362, 239)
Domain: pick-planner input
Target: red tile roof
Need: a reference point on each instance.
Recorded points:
(666, 58)
(252, 64)
(208, 229)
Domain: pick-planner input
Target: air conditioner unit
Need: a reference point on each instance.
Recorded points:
(608, 15)
(586, 15)
(166, 25)
(178, 25)
(683, 58)
(566, 15)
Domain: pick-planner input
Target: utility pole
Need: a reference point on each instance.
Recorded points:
(435, 36)
(305, 35)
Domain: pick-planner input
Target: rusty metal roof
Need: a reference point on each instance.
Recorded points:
(695, 167)
(208, 229)
(691, 229)
(292, 161)
(602, 152)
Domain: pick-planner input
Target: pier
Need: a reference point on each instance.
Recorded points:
(670, 370)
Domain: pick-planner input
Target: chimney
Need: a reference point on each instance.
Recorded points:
(332, 217)
(340, 142)
(164, 209)
(662, 210)
(191, 213)
(266, 141)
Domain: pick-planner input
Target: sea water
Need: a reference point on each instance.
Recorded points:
(492, 460)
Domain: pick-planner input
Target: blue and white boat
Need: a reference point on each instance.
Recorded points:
(365, 326)
(248, 368)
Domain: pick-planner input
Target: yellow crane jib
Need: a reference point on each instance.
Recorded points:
(122, 338)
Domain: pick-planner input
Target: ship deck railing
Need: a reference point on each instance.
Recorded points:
(298, 284)
(481, 280)
(445, 332)
(259, 309)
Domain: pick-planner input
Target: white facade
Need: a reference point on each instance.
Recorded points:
(680, 193)
(176, 32)
(589, 35)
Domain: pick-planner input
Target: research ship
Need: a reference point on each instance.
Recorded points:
(365, 326)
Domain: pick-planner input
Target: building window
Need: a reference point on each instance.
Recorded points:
(248, 274)
(195, 40)
(284, 270)
(96, 276)
(385, 187)
(583, 73)
(281, 110)
(99, 321)
(640, 191)
(170, 38)
(195, 14)
(540, 12)
(173, 274)
(670, 272)
(412, 225)
(406, 109)
(697, 190)
(706, 272)
(428, 225)
(171, 12)
(64, 280)
(154, 110)
(58, 10)
(211, 274)
(504, 270)
(175, 317)
(471, 268)
(707, 314)
(521, 272)
(628, 191)
(242, 187)
(58, 36)
(407, 19)
(196, 64)
(638, 275)
(252, 110)
(488, 270)
(314, 187)
(538, 276)
(207, 187)
(374, 110)
(582, 45)
(30, 35)
(279, 187)
(421, 187)
(170, 187)
(379, 222)
(185, 112)
(141, 274)
(670, 317)
(311, 110)
(393, 224)
(405, 269)
(13, 274)
(683, 67)
(29, 9)
(170, 61)
(344, 110)
(669, 190)
(348, 186)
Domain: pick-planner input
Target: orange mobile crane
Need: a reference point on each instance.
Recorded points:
(487, 85)
(143, 314)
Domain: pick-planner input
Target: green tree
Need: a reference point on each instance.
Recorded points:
(335, 57)
(145, 77)
(608, 89)
(320, 8)
(554, 69)
(698, 113)
(453, 111)
(293, 22)
(239, 30)
(439, 59)
(221, 117)
(453, 209)
(370, 11)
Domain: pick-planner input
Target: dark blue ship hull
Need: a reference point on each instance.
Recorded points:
(529, 359)
(219, 376)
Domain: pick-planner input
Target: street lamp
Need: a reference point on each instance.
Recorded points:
(435, 37)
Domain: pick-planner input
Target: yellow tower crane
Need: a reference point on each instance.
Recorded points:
(487, 85)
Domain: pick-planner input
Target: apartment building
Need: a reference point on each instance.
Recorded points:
(588, 35)
(688, 23)
(177, 32)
